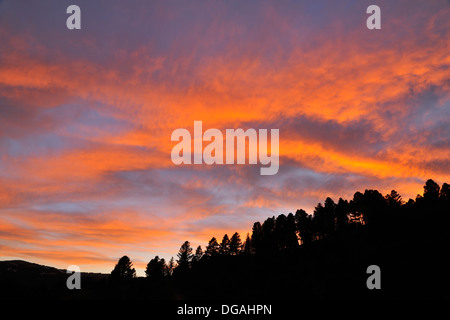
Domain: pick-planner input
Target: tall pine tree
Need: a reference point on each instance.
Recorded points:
(235, 244)
(184, 256)
(247, 247)
(225, 245)
(123, 270)
(198, 254)
(156, 268)
(170, 267)
(212, 248)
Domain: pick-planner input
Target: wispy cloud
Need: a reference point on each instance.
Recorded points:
(86, 117)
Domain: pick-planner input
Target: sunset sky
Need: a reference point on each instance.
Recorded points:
(86, 117)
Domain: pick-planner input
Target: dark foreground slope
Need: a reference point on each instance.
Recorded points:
(409, 242)
(326, 269)
(22, 279)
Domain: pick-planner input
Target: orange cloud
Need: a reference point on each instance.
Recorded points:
(380, 100)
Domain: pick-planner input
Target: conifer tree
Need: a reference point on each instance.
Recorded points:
(123, 270)
(212, 248)
(225, 245)
(235, 244)
(156, 268)
(184, 256)
(247, 247)
(198, 254)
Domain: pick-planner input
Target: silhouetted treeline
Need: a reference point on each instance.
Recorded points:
(369, 210)
(324, 254)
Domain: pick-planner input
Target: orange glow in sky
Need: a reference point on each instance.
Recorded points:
(86, 117)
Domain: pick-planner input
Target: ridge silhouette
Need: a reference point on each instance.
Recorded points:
(299, 255)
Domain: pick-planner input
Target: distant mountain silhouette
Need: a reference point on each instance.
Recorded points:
(24, 267)
(22, 279)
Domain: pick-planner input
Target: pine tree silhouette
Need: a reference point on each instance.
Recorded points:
(156, 268)
(235, 244)
(225, 245)
(123, 270)
(184, 256)
(198, 254)
(212, 248)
